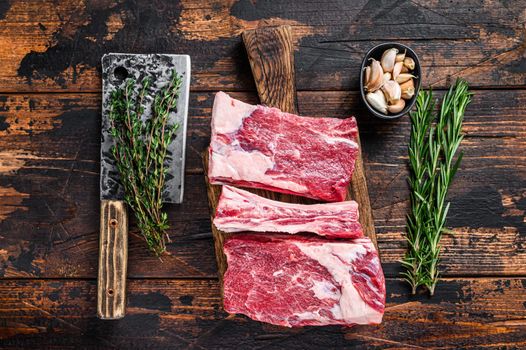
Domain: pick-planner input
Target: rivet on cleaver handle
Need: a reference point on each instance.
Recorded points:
(113, 260)
(116, 68)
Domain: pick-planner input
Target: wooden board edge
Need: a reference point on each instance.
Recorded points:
(213, 192)
(359, 192)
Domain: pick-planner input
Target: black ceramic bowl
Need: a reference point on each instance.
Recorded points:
(376, 53)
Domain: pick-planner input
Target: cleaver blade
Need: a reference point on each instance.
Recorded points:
(116, 68)
(113, 243)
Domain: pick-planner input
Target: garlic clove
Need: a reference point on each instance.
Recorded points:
(408, 89)
(409, 63)
(397, 69)
(377, 101)
(388, 59)
(376, 79)
(403, 77)
(367, 75)
(404, 69)
(408, 94)
(387, 76)
(392, 91)
(400, 57)
(396, 107)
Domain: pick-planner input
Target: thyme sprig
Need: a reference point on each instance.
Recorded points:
(432, 163)
(140, 153)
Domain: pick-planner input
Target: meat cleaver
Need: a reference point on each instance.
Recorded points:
(113, 244)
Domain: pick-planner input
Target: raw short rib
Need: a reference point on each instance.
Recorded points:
(240, 210)
(301, 281)
(262, 147)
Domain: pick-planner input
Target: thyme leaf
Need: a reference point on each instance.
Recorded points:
(141, 155)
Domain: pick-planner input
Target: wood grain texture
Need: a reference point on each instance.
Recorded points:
(113, 260)
(181, 314)
(49, 168)
(358, 192)
(219, 237)
(270, 52)
(47, 46)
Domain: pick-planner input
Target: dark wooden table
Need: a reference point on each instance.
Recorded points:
(49, 169)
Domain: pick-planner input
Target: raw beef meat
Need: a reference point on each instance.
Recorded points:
(262, 147)
(240, 210)
(300, 281)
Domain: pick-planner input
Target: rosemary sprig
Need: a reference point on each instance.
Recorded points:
(415, 257)
(140, 153)
(432, 149)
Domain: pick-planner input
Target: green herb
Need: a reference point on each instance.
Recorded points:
(140, 152)
(432, 149)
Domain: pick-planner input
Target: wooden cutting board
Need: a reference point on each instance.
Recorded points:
(271, 55)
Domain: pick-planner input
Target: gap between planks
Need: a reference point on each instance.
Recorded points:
(215, 278)
(228, 90)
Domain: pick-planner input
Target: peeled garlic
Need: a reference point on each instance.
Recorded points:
(376, 78)
(400, 57)
(404, 69)
(396, 107)
(392, 91)
(388, 59)
(377, 101)
(403, 77)
(387, 77)
(409, 63)
(397, 69)
(408, 89)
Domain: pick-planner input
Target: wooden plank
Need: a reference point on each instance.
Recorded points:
(358, 192)
(47, 46)
(271, 58)
(270, 53)
(49, 157)
(465, 313)
(38, 244)
(48, 129)
(49, 197)
(219, 237)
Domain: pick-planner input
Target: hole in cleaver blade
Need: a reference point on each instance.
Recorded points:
(116, 68)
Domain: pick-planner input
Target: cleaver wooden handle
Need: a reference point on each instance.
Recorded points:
(113, 260)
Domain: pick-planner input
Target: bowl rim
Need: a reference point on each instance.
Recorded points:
(418, 82)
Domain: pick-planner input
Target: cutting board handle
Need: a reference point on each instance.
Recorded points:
(113, 260)
(270, 52)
